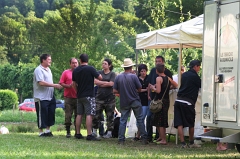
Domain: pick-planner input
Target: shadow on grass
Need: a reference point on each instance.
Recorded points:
(29, 145)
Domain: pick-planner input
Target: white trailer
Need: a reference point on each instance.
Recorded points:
(220, 72)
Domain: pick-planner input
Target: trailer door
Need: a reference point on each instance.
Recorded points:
(227, 62)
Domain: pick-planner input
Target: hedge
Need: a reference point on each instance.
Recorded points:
(8, 99)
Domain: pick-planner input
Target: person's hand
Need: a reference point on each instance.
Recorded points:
(57, 86)
(118, 114)
(149, 98)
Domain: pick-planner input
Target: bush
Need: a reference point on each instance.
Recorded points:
(8, 99)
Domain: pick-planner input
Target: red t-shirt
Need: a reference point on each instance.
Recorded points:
(66, 78)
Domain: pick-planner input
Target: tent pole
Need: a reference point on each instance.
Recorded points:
(136, 50)
(179, 65)
(179, 77)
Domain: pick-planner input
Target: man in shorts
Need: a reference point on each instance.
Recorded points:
(45, 102)
(70, 96)
(184, 107)
(83, 82)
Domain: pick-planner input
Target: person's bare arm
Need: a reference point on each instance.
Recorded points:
(99, 77)
(74, 85)
(46, 84)
(157, 87)
(66, 85)
(115, 91)
(103, 83)
(139, 90)
(173, 83)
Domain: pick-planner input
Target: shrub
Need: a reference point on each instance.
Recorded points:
(8, 99)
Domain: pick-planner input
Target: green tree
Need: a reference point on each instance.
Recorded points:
(40, 7)
(13, 35)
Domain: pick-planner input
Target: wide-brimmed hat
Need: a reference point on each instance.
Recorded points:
(194, 63)
(127, 63)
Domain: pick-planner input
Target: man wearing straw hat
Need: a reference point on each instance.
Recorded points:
(127, 85)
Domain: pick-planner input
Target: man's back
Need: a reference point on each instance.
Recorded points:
(190, 84)
(127, 85)
(84, 76)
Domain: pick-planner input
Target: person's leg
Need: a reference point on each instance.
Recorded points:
(149, 125)
(80, 111)
(90, 110)
(96, 118)
(163, 135)
(137, 110)
(78, 123)
(42, 117)
(68, 115)
(89, 124)
(145, 110)
(109, 110)
(51, 112)
(191, 133)
(101, 127)
(74, 108)
(180, 133)
(123, 122)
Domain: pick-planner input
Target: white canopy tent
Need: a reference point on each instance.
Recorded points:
(188, 34)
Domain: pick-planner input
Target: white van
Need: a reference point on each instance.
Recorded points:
(220, 72)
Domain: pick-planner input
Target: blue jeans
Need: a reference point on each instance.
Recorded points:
(125, 111)
(145, 110)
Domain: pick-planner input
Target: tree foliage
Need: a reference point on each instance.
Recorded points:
(100, 28)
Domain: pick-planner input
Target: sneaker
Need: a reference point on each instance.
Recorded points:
(43, 135)
(184, 146)
(94, 134)
(194, 146)
(68, 135)
(135, 139)
(78, 136)
(121, 143)
(49, 134)
(107, 136)
(92, 138)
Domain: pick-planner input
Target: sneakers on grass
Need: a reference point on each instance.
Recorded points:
(107, 136)
(78, 136)
(92, 138)
(49, 134)
(94, 134)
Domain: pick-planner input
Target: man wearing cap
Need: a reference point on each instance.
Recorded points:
(184, 107)
(128, 86)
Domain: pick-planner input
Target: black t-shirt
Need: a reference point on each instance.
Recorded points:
(144, 95)
(190, 85)
(84, 76)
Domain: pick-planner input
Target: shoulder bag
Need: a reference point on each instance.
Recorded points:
(156, 105)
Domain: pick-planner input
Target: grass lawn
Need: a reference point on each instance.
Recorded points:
(29, 145)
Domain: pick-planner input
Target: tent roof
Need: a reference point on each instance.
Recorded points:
(189, 34)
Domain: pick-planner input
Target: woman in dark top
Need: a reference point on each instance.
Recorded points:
(143, 78)
(160, 119)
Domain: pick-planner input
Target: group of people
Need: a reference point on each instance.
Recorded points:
(135, 92)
